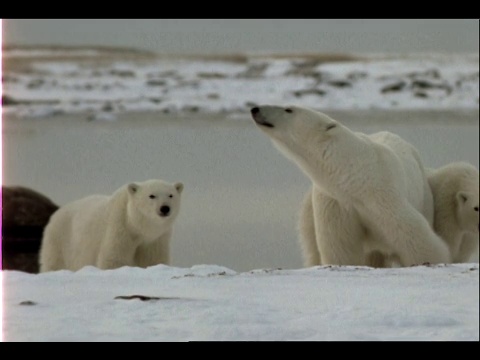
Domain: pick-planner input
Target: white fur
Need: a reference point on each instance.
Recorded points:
(370, 201)
(455, 192)
(124, 229)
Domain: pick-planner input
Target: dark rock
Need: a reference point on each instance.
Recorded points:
(35, 84)
(122, 73)
(156, 82)
(9, 101)
(393, 87)
(470, 78)
(211, 75)
(25, 213)
(164, 74)
(307, 69)
(108, 107)
(356, 75)
(431, 73)
(340, 83)
(188, 83)
(25, 207)
(28, 303)
(137, 297)
(9, 78)
(191, 108)
(213, 96)
(254, 71)
(425, 84)
(155, 100)
(145, 297)
(420, 94)
(300, 93)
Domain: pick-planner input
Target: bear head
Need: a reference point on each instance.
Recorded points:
(467, 210)
(154, 202)
(293, 123)
(301, 134)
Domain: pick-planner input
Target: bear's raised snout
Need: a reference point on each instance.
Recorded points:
(259, 118)
(165, 210)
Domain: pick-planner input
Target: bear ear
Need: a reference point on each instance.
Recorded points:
(132, 188)
(179, 187)
(462, 197)
(331, 126)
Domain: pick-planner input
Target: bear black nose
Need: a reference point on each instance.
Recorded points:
(165, 210)
(255, 110)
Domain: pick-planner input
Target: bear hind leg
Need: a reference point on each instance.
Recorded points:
(409, 234)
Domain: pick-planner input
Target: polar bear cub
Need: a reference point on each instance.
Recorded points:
(455, 189)
(370, 193)
(132, 227)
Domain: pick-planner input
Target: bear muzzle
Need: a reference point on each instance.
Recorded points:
(259, 118)
(164, 210)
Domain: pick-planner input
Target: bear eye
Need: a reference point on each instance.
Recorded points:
(288, 110)
(152, 196)
(170, 196)
(475, 208)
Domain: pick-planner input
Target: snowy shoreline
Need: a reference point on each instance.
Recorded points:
(209, 302)
(103, 84)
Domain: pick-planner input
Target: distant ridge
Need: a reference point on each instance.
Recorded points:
(111, 49)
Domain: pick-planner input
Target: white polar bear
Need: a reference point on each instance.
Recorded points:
(132, 227)
(455, 193)
(370, 194)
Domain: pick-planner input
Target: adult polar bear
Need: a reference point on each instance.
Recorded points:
(370, 194)
(132, 227)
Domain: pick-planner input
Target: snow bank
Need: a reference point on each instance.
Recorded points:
(208, 302)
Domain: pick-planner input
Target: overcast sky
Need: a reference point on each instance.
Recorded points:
(240, 35)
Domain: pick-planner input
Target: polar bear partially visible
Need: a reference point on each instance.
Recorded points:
(370, 193)
(132, 227)
(455, 193)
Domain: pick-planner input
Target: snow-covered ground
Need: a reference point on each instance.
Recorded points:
(208, 302)
(101, 84)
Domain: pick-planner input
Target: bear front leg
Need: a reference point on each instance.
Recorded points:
(377, 259)
(109, 260)
(339, 232)
(115, 252)
(408, 232)
(308, 239)
(468, 251)
(154, 252)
